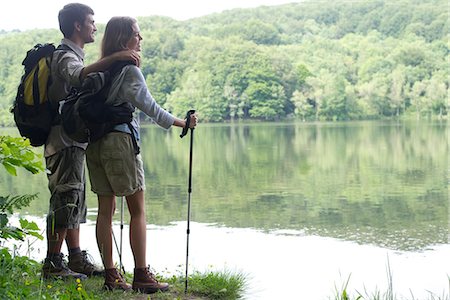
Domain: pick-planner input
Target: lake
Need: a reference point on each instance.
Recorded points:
(299, 208)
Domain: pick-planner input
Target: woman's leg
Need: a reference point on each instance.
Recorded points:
(138, 230)
(106, 208)
(143, 280)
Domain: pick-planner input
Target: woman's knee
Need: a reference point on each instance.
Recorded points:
(136, 204)
(106, 206)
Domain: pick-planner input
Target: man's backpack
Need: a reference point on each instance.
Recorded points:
(84, 114)
(32, 110)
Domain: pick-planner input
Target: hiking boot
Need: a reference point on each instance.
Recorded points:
(145, 282)
(82, 263)
(115, 281)
(56, 268)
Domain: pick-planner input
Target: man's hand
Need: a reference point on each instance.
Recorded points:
(130, 55)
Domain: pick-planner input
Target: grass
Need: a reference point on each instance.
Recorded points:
(20, 278)
(388, 294)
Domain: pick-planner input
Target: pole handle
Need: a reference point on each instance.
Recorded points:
(188, 122)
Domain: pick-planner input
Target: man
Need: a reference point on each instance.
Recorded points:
(65, 157)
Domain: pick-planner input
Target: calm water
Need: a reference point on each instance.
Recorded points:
(298, 207)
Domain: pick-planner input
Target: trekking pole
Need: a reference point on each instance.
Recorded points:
(121, 234)
(188, 231)
(119, 250)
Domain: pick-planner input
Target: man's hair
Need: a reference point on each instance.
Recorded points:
(118, 32)
(71, 13)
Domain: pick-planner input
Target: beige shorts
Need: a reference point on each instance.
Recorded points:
(114, 168)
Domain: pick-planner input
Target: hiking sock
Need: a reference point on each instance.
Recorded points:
(74, 251)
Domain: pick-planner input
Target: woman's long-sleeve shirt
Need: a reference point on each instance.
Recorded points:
(130, 86)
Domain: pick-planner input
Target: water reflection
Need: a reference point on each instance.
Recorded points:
(285, 264)
(375, 183)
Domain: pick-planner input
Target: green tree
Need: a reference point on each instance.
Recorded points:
(266, 101)
(303, 108)
(436, 92)
(418, 100)
(396, 90)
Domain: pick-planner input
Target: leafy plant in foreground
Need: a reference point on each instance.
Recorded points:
(17, 152)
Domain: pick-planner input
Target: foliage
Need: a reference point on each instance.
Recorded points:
(17, 152)
(314, 60)
(218, 285)
(343, 293)
(29, 284)
(26, 228)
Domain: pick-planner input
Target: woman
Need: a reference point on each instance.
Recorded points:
(114, 167)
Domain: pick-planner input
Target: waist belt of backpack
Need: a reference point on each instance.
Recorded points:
(137, 149)
(56, 119)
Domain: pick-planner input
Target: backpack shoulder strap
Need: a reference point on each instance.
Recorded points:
(63, 47)
(118, 66)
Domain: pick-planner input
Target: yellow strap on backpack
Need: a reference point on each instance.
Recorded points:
(35, 85)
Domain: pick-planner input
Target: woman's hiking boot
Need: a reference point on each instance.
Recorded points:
(82, 263)
(115, 281)
(55, 267)
(145, 282)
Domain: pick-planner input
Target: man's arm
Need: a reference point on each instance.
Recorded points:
(106, 62)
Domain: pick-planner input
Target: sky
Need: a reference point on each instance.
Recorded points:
(30, 14)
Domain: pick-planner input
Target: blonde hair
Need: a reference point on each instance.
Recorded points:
(118, 32)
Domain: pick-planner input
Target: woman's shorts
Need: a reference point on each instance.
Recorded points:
(114, 168)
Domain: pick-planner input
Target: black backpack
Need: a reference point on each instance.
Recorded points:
(84, 114)
(33, 113)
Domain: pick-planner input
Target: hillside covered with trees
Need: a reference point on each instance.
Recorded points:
(325, 60)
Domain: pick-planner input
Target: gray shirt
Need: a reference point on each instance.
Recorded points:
(66, 71)
(130, 86)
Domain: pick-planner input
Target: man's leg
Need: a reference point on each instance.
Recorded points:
(55, 239)
(54, 265)
(73, 241)
(63, 205)
(79, 261)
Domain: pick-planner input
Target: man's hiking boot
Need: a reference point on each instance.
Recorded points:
(115, 281)
(56, 267)
(145, 282)
(82, 263)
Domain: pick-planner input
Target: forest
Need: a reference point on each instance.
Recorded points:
(310, 61)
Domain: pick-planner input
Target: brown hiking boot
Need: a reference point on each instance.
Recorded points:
(82, 263)
(115, 281)
(56, 268)
(145, 282)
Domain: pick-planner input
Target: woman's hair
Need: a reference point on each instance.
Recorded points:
(71, 13)
(118, 32)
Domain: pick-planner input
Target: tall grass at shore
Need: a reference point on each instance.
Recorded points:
(343, 293)
(20, 278)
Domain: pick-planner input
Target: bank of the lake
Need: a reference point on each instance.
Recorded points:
(21, 278)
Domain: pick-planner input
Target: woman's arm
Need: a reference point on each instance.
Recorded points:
(135, 90)
(182, 123)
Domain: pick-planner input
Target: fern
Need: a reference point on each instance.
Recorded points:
(9, 203)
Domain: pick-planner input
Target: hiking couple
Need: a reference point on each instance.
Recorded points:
(114, 167)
